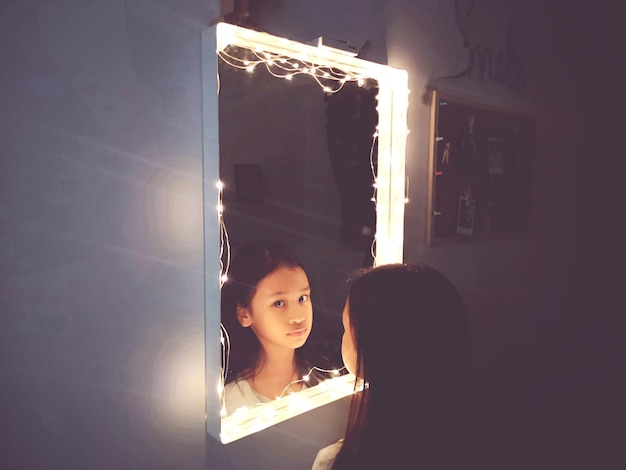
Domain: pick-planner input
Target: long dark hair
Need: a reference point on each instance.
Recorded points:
(251, 264)
(418, 408)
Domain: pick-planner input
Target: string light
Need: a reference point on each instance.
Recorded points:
(246, 49)
(329, 78)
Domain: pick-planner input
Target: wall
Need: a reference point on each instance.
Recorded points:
(102, 299)
(512, 288)
(101, 318)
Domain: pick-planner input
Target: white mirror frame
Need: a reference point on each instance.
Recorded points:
(390, 200)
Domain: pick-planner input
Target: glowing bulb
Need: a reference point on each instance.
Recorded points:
(289, 77)
(250, 68)
(220, 209)
(327, 89)
(224, 278)
(219, 185)
(360, 82)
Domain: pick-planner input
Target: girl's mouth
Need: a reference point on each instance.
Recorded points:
(298, 332)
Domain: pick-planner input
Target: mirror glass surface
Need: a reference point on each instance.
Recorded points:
(297, 167)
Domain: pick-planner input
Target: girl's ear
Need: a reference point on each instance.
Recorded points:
(243, 315)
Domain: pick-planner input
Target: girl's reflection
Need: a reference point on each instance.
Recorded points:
(267, 313)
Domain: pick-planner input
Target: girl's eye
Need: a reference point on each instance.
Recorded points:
(279, 303)
(304, 298)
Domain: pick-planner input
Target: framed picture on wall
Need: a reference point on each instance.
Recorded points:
(465, 216)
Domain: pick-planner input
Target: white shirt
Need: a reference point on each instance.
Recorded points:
(240, 394)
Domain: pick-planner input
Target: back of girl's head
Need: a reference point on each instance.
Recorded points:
(405, 316)
(251, 263)
(410, 330)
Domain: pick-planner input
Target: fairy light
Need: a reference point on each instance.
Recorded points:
(224, 241)
(330, 78)
(331, 69)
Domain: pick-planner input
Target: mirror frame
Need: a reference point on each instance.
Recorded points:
(390, 200)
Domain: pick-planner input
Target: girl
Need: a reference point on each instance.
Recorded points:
(406, 339)
(267, 315)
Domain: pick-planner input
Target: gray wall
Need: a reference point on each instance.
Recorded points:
(101, 303)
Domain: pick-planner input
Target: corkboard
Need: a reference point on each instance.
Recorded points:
(479, 171)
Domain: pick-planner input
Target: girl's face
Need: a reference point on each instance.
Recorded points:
(280, 312)
(348, 348)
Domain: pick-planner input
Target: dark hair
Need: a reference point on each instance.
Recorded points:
(410, 330)
(251, 264)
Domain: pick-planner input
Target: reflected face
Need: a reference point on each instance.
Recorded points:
(281, 313)
(348, 348)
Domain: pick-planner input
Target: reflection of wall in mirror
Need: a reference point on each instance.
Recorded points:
(279, 126)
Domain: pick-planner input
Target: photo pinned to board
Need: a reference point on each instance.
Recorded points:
(466, 214)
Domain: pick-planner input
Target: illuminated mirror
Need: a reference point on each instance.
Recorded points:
(304, 145)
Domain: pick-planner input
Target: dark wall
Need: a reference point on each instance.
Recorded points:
(580, 407)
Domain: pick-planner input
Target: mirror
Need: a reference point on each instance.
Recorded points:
(303, 145)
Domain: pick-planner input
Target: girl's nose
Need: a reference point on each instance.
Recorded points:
(296, 315)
